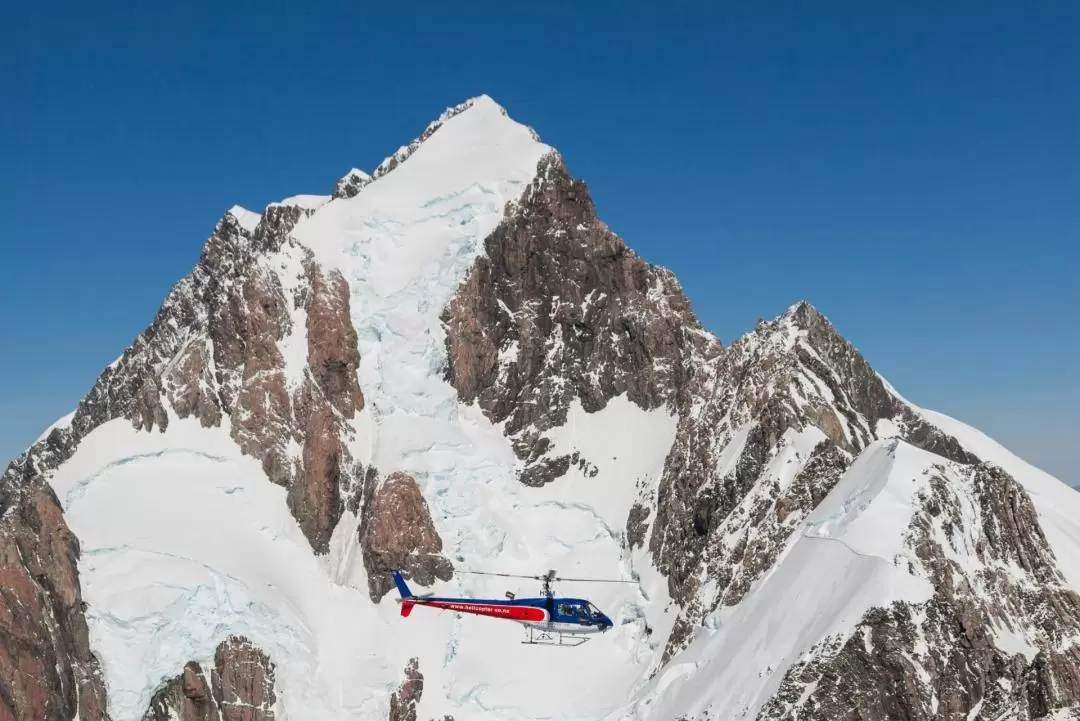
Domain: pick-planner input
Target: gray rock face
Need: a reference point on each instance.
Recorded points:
(559, 309)
(47, 670)
(403, 701)
(939, 660)
(737, 535)
(214, 351)
(396, 531)
(240, 687)
(351, 184)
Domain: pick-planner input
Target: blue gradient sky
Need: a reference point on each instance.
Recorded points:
(911, 168)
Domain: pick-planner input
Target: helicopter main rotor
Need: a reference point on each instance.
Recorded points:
(548, 579)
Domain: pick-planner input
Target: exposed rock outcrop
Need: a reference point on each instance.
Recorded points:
(47, 670)
(858, 393)
(396, 531)
(329, 397)
(351, 184)
(268, 421)
(978, 540)
(240, 687)
(737, 534)
(331, 340)
(216, 351)
(188, 697)
(404, 699)
(557, 309)
(252, 325)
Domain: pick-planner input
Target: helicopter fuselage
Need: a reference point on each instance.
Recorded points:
(563, 615)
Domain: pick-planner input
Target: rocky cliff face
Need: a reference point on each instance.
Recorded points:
(47, 670)
(258, 336)
(239, 687)
(978, 540)
(558, 309)
(404, 700)
(396, 531)
(351, 183)
(721, 511)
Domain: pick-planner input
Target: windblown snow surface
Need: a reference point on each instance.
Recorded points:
(185, 540)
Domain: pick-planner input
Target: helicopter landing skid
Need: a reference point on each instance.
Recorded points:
(540, 637)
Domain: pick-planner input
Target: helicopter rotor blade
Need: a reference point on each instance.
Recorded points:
(549, 576)
(504, 575)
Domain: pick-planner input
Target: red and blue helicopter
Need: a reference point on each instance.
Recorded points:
(548, 620)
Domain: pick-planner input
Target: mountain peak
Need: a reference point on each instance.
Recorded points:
(482, 100)
(351, 183)
(483, 109)
(805, 315)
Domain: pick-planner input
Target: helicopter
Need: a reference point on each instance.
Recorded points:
(548, 620)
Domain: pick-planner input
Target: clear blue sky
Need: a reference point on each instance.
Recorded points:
(912, 168)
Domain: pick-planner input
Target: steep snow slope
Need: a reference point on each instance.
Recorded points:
(405, 243)
(184, 540)
(841, 562)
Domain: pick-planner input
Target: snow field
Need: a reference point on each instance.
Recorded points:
(185, 541)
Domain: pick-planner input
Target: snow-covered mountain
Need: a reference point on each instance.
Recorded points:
(452, 364)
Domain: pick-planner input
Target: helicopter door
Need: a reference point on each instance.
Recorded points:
(571, 612)
(574, 612)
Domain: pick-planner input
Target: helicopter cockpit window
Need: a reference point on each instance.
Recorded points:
(565, 609)
(594, 611)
